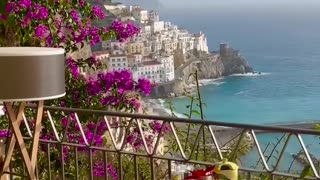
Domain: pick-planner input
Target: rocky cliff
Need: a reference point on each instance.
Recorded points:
(233, 62)
(210, 67)
(216, 64)
(225, 62)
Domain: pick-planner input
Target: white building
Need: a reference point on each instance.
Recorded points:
(147, 47)
(127, 18)
(118, 62)
(154, 16)
(168, 67)
(157, 26)
(137, 57)
(155, 46)
(146, 30)
(134, 59)
(169, 46)
(102, 56)
(151, 70)
(200, 42)
(113, 45)
(140, 15)
(111, 7)
(169, 26)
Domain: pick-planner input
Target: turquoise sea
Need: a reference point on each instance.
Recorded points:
(284, 44)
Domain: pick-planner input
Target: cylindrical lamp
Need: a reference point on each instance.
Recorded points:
(29, 74)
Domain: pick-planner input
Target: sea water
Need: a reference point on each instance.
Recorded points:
(285, 50)
(284, 45)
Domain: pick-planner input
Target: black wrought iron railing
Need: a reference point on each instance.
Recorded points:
(93, 144)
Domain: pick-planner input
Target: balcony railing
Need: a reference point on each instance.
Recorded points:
(262, 152)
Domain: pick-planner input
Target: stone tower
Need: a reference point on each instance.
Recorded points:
(224, 47)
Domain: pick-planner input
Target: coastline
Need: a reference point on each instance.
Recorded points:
(157, 107)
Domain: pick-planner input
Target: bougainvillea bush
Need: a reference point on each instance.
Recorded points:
(69, 24)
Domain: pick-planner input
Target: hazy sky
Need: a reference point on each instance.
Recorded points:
(181, 4)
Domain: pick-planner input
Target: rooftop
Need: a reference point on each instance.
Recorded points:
(118, 55)
(101, 52)
(148, 56)
(198, 34)
(151, 63)
(130, 56)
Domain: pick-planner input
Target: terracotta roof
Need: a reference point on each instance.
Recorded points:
(148, 56)
(117, 55)
(150, 63)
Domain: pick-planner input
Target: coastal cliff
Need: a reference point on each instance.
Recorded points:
(226, 61)
(233, 62)
(210, 67)
(223, 63)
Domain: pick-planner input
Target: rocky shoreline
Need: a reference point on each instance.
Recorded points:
(210, 66)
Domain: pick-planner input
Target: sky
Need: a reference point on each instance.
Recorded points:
(148, 4)
(223, 4)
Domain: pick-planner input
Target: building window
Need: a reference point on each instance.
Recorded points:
(118, 59)
(124, 64)
(124, 59)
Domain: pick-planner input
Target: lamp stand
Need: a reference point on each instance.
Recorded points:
(29, 158)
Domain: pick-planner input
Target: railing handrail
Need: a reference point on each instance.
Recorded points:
(216, 129)
(269, 128)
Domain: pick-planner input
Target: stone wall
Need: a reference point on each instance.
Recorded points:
(179, 57)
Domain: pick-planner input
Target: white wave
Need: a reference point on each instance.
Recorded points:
(241, 92)
(161, 101)
(167, 110)
(205, 82)
(251, 74)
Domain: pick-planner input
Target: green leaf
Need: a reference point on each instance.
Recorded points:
(190, 97)
(187, 115)
(196, 112)
(2, 3)
(306, 171)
